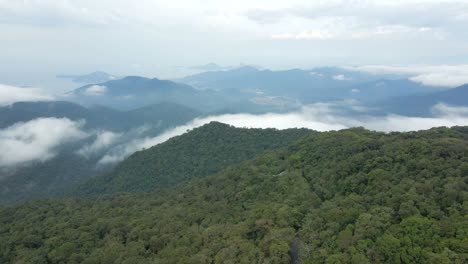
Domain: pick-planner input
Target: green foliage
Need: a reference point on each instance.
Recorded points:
(202, 152)
(352, 196)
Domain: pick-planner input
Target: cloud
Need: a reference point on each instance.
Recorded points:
(431, 75)
(11, 94)
(104, 139)
(305, 35)
(95, 90)
(37, 140)
(442, 109)
(55, 13)
(385, 13)
(340, 30)
(280, 121)
(227, 32)
(320, 117)
(341, 77)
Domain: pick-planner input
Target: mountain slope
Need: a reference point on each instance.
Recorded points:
(351, 196)
(203, 151)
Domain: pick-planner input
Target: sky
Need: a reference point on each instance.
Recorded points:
(154, 38)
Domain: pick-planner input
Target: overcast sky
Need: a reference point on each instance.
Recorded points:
(152, 38)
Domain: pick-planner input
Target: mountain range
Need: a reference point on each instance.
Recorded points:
(147, 107)
(248, 89)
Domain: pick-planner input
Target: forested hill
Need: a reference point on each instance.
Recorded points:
(201, 152)
(351, 196)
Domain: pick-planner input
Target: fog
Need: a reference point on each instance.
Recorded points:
(37, 140)
(319, 117)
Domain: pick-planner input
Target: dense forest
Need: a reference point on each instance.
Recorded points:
(351, 196)
(202, 152)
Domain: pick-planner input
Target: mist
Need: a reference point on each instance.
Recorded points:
(37, 140)
(318, 117)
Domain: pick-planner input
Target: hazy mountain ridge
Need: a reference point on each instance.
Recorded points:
(309, 86)
(134, 92)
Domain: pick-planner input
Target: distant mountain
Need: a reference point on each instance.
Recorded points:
(134, 92)
(420, 105)
(308, 86)
(201, 152)
(248, 89)
(94, 77)
(385, 89)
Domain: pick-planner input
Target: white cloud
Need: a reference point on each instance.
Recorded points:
(305, 35)
(431, 75)
(341, 77)
(95, 90)
(37, 140)
(399, 15)
(315, 74)
(104, 139)
(441, 109)
(11, 94)
(320, 117)
(280, 121)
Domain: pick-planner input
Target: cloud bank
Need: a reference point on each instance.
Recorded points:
(320, 117)
(431, 75)
(95, 90)
(37, 140)
(104, 139)
(11, 94)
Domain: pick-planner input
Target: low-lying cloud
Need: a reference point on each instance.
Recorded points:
(104, 139)
(37, 140)
(12, 94)
(95, 90)
(435, 75)
(319, 117)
